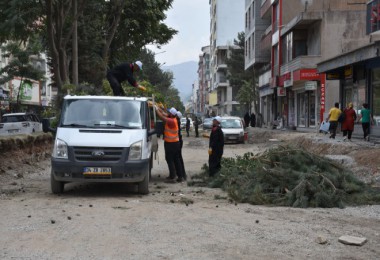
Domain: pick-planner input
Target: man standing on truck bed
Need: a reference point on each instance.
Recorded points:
(122, 73)
(171, 143)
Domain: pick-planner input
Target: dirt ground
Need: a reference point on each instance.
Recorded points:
(176, 221)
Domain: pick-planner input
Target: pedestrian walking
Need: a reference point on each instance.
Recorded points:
(216, 146)
(171, 143)
(196, 124)
(349, 122)
(247, 119)
(122, 73)
(367, 120)
(333, 116)
(253, 120)
(187, 126)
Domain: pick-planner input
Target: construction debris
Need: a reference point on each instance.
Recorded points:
(351, 240)
(289, 176)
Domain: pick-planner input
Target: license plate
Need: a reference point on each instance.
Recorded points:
(232, 137)
(97, 171)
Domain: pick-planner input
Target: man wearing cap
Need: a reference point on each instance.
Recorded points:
(122, 73)
(171, 143)
(216, 146)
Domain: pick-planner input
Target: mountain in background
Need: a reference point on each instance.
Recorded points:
(185, 74)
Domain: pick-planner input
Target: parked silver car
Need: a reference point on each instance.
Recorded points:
(20, 123)
(233, 129)
(207, 123)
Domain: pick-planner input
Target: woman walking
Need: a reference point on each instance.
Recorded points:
(349, 122)
(366, 117)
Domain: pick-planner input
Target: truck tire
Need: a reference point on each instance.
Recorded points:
(57, 187)
(143, 187)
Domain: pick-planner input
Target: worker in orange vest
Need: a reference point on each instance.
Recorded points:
(171, 143)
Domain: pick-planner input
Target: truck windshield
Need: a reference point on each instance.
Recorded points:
(102, 113)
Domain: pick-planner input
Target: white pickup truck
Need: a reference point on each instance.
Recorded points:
(104, 139)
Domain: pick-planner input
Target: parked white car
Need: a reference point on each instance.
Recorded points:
(19, 123)
(233, 129)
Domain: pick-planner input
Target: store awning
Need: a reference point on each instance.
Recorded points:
(359, 55)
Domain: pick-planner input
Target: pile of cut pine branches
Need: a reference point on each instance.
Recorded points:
(288, 176)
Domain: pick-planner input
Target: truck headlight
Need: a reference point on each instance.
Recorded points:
(135, 151)
(60, 149)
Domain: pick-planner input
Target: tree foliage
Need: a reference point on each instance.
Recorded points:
(243, 80)
(109, 31)
(20, 64)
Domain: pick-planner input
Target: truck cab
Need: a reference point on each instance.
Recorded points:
(104, 139)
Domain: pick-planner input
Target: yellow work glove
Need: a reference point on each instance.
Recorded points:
(141, 88)
(209, 151)
(161, 105)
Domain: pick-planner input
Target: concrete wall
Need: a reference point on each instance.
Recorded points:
(343, 32)
(314, 40)
(332, 95)
(291, 8)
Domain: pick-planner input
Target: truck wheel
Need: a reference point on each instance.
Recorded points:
(56, 186)
(143, 187)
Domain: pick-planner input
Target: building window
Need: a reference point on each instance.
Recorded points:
(249, 47)
(246, 48)
(249, 17)
(253, 10)
(253, 44)
(246, 20)
(373, 16)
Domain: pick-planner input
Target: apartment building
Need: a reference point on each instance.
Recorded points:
(299, 35)
(34, 94)
(202, 108)
(358, 68)
(227, 20)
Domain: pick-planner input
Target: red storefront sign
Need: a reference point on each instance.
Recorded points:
(306, 74)
(323, 96)
(283, 78)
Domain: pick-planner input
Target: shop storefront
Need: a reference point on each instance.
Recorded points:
(359, 74)
(266, 104)
(303, 88)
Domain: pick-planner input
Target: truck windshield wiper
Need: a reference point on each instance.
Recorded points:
(75, 125)
(116, 126)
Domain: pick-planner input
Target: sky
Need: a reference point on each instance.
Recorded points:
(191, 18)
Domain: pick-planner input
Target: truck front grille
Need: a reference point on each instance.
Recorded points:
(109, 154)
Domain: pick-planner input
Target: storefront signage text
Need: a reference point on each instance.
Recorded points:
(310, 85)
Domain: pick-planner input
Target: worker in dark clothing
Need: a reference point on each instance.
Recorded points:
(179, 115)
(171, 143)
(253, 120)
(196, 123)
(216, 146)
(187, 126)
(247, 118)
(122, 73)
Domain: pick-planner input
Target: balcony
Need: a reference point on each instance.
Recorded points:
(266, 8)
(266, 41)
(300, 62)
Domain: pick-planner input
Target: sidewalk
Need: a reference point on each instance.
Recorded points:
(356, 135)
